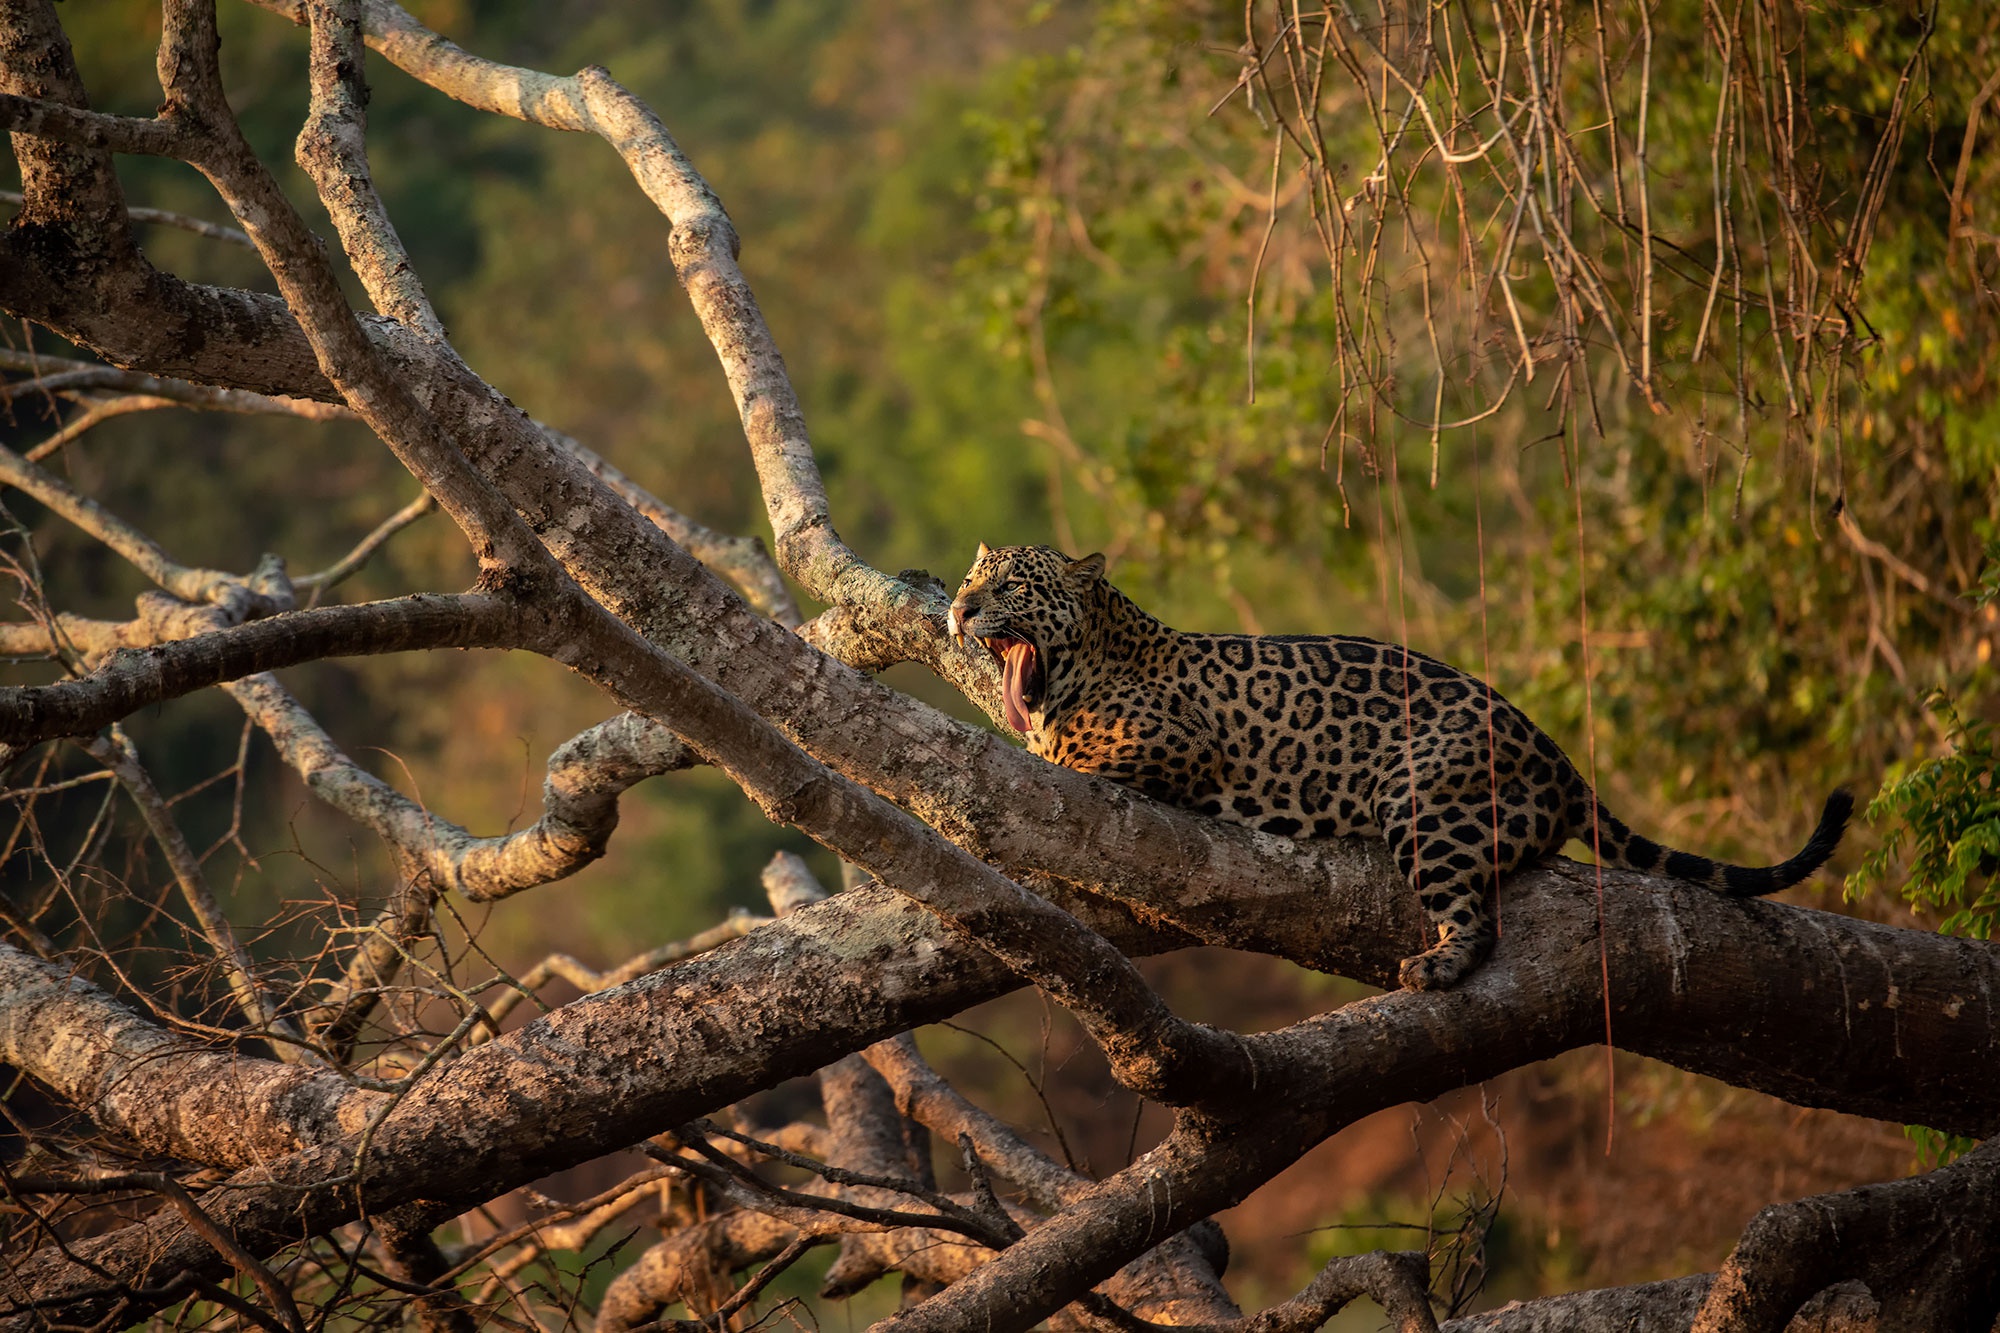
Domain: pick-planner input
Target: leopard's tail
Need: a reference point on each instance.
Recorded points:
(1620, 846)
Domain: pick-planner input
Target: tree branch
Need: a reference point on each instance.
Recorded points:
(165, 1094)
(91, 129)
(586, 776)
(98, 376)
(333, 149)
(144, 554)
(1660, 1307)
(131, 679)
(1928, 1248)
(191, 78)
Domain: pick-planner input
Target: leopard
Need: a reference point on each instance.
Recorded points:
(1313, 737)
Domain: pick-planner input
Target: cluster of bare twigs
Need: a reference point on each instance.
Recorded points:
(1508, 181)
(289, 1156)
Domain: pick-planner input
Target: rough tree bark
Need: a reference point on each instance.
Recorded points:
(993, 869)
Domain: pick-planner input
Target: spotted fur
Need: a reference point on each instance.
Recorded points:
(1313, 737)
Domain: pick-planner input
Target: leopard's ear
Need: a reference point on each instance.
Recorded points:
(1082, 573)
(984, 551)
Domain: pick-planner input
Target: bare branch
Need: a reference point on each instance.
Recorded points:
(188, 584)
(333, 149)
(198, 1220)
(91, 129)
(586, 776)
(1399, 1283)
(924, 1096)
(190, 77)
(172, 390)
(704, 248)
(682, 1266)
(337, 573)
(1661, 1307)
(162, 218)
(732, 927)
(96, 411)
(129, 681)
(743, 561)
(591, 1077)
(1792, 1251)
(485, 85)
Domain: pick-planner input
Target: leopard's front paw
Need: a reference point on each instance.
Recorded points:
(1445, 963)
(1434, 969)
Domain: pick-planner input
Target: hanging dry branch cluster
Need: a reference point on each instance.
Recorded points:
(1510, 183)
(289, 1160)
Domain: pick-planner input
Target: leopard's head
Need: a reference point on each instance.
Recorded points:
(1029, 606)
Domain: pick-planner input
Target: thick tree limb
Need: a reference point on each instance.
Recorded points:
(1660, 1307)
(1809, 1077)
(1151, 1049)
(743, 561)
(594, 1076)
(1652, 1307)
(1148, 1047)
(1928, 1249)
(1534, 997)
(165, 1094)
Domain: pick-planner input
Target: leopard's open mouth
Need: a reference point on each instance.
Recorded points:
(1021, 677)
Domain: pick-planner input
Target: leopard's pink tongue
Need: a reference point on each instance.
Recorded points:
(1014, 659)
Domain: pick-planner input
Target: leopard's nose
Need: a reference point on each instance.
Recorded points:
(955, 622)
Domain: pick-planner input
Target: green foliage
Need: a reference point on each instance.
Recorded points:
(1943, 830)
(1942, 836)
(1935, 1147)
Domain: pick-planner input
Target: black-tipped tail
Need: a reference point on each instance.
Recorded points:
(1737, 881)
(1754, 882)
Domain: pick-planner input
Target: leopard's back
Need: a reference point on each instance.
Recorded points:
(1303, 735)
